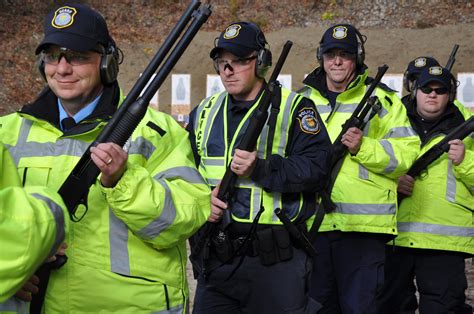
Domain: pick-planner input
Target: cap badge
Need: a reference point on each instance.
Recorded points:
(232, 31)
(436, 71)
(63, 17)
(420, 62)
(339, 32)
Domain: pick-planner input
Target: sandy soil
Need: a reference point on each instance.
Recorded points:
(395, 47)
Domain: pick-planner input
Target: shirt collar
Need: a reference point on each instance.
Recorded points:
(81, 114)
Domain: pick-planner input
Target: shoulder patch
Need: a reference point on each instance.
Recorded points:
(308, 120)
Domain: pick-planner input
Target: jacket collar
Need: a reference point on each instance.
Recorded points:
(450, 119)
(317, 80)
(45, 108)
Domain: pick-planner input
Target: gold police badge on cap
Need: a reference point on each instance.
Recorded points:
(339, 32)
(63, 17)
(436, 70)
(232, 31)
(420, 62)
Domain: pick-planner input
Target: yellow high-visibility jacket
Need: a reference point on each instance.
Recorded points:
(33, 222)
(128, 253)
(439, 213)
(365, 189)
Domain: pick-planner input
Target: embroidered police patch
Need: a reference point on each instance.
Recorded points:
(63, 17)
(420, 62)
(436, 70)
(232, 31)
(308, 121)
(339, 32)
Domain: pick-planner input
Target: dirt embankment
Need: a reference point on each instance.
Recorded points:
(397, 32)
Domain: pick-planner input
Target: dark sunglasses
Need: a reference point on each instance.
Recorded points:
(438, 91)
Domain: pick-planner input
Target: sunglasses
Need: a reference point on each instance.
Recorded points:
(438, 91)
(72, 57)
(331, 55)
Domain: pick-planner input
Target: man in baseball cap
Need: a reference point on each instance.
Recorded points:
(232, 278)
(415, 67)
(127, 255)
(364, 218)
(340, 36)
(435, 210)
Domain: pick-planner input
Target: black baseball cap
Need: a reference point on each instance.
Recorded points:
(416, 66)
(76, 27)
(435, 74)
(343, 36)
(240, 39)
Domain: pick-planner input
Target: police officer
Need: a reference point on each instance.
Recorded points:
(128, 253)
(348, 271)
(414, 68)
(435, 226)
(272, 274)
(32, 227)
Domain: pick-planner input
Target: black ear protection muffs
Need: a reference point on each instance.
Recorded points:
(406, 82)
(264, 55)
(360, 57)
(109, 65)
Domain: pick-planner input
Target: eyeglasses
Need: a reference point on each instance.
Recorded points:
(233, 65)
(438, 91)
(72, 57)
(331, 55)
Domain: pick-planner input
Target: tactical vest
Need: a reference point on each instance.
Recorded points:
(216, 151)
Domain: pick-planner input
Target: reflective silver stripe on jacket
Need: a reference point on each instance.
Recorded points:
(435, 229)
(64, 146)
(119, 255)
(323, 109)
(365, 209)
(161, 223)
(306, 91)
(58, 215)
(174, 310)
(363, 172)
(450, 184)
(212, 162)
(207, 127)
(25, 149)
(142, 146)
(285, 124)
(382, 112)
(15, 305)
(393, 162)
(400, 132)
(346, 108)
(263, 137)
(199, 110)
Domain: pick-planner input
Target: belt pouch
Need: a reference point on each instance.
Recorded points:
(223, 247)
(283, 244)
(265, 247)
